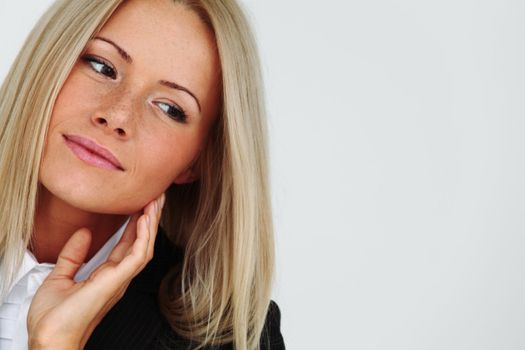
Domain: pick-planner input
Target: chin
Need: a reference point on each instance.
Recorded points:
(98, 207)
(87, 198)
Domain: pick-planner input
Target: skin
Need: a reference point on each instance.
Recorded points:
(115, 99)
(165, 42)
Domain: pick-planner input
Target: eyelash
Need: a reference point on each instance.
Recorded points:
(93, 61)
(177, 113)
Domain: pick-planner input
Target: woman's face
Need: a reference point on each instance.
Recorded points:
(146, 90)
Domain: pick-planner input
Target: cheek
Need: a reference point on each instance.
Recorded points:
(76, 98)
(169, 155)
(174, 153)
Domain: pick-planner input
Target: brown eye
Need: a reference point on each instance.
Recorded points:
(101, 67)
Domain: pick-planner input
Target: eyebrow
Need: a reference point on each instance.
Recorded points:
(181, 88)
(166, 83)
(120, 50)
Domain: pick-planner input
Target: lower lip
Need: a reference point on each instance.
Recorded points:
(89, 157)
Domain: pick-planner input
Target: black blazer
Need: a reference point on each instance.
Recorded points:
(135, 322)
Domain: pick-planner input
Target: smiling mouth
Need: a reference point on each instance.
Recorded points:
(91, 153)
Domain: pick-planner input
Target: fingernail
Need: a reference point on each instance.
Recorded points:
(162, 200)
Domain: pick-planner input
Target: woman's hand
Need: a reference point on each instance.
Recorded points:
(64, 313)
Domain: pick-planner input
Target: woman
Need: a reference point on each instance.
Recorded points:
(109, 105)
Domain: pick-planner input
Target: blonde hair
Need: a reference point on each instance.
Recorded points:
(221, 291)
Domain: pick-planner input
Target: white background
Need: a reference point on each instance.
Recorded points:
(398, 170)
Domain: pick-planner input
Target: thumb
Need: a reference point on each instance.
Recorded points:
(72, 255)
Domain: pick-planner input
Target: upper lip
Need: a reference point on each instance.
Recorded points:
(92, 146)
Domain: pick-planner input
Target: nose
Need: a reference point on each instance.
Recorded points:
(117, 116)
(111, 125)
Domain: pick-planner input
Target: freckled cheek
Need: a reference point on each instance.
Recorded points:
(77, 98)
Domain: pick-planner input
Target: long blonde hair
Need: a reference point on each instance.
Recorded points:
(221, 291)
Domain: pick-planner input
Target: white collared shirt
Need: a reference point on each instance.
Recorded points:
(13, 312)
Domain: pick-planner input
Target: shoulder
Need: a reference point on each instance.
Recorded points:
(271, 337)
(136, 322)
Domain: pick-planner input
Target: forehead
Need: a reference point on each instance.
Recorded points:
(166, 39)
(158, 19)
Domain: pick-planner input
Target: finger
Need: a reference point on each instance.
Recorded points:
(112, 274)
(111, 279)
(141, 250)
(161, 201)
(94, 299)
(72, 255)
(126, 241)
(152, 210)
(140, 247)
(154, 225)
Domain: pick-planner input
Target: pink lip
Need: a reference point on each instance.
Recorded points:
(90, 152)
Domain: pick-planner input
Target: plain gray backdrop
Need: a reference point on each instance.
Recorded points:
(398, 168)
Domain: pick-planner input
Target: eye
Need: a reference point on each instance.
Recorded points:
(100, 66)
(173, 111)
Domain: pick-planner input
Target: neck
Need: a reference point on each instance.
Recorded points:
(56, 221)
